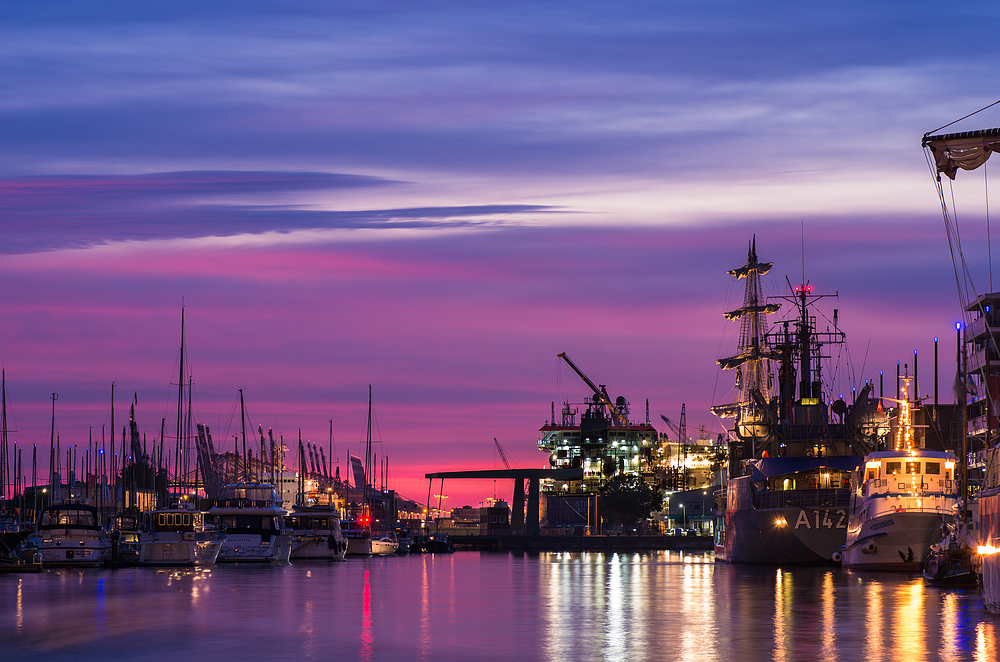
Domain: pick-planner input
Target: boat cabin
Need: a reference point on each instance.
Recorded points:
(248, 496)
(909, 472)
(174, 520)
(69, 516)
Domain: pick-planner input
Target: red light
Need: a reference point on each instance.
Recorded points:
(809, 289)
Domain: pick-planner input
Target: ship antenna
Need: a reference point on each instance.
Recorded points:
(802, 250)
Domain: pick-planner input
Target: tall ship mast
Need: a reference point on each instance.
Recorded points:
(752, 413)
(979, 368)
(792, 450)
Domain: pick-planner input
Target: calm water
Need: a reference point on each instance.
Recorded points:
(491, 606)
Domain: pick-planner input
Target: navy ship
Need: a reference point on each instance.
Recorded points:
(792, 451)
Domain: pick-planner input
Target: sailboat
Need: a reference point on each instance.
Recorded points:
(363, 534)
(787, 494)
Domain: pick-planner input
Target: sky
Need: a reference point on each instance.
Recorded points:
(438, 198)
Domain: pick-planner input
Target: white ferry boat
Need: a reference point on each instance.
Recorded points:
(179, 537)
(900, 509)
(70, 534)
(254, 522)
(316, 533)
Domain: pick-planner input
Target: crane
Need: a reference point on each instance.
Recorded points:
(503, 456)
(679, 430)
(616, 415)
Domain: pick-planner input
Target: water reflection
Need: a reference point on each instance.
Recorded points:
(780, 605)
(366, 622)
(874, 620)
(828, 650)
(483, 607)
(19, 609)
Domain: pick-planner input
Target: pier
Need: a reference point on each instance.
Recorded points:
(519, 520)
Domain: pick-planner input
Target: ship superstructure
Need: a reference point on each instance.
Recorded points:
(604, 442)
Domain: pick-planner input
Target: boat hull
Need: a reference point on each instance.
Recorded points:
(176, 551)
(319, 547)
(894, 541)
(989, 519)
(70, 553)
(382, 547)
(783, 536)
(251, 549)
(359, 546)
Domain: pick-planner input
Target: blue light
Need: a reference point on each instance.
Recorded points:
(958, 326)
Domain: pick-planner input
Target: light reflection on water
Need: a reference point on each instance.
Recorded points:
(482, 607)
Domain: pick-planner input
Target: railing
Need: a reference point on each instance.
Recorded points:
(904, 486)
(976, 360)
(244, 503)
(802, 498)
(977, 328)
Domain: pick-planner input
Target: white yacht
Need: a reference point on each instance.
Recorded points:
(70, 534)
(179, 536)
(254, 522)
(385, 544)
(359, 537)
(316, 533)
(901, 505)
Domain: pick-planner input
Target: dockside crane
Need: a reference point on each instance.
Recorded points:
(601, 392)
(503, 456)
(679, 430)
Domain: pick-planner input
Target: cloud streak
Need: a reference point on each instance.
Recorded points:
(47, 213)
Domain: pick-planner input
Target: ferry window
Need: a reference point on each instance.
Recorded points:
(163, 519)
(932, 468)
(871, 475)
(187, 519)
(912, 467)
(894, 467)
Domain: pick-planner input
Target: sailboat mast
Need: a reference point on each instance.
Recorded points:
(243, 424)
(964, 414)
(189, 434)
(368, 454)
(5, 463)
(178, 443)
(52, 450)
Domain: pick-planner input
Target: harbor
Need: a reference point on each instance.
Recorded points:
(491, 331)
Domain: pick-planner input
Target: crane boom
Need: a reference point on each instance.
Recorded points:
(503, 456)
(616, 415)
(679, 430)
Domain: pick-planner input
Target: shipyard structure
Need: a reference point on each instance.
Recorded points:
(600, 437)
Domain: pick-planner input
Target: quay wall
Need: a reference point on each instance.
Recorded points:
(584, 543)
